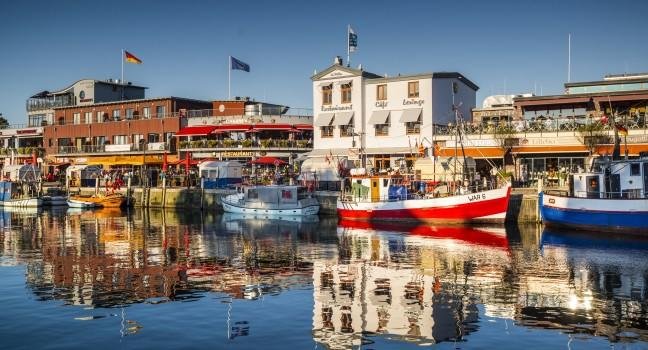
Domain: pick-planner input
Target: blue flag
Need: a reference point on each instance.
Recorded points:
(353, 40)
(240, 65)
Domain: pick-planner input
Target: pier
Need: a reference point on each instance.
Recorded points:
(523, 205)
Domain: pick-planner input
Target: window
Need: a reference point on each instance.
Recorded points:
(76, 117)
(381, 92)
(88, 117)
(346, 93)
(153, 138)
(120, 140)
(129, 113)
(99, 117)
(160, 111)
(146, 112)
(116, 114)
(137, 138)
(37, 120)
(327, 131)
(347, 130)
(99, 140)
(413, 127)
(383, 129)
(634, 169)
(413, 89)
(65, 142)
(61, 120)
(327, 94)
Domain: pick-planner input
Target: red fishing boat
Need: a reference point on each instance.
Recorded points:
(393, 198)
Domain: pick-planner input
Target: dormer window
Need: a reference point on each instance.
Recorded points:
(346, 93)
(327, 94)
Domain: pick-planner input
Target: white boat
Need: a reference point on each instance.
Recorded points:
(75, 203)
(19, 194)
(272, 200)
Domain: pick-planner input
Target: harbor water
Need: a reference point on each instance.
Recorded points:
(152, 278)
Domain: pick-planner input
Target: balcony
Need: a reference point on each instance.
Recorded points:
(546, 125)
(247, 144)
(21, 151)
(152, 147)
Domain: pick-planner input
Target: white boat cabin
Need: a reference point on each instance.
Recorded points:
(612, 179)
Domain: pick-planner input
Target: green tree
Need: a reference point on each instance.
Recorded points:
(592, 135)
(4, 123)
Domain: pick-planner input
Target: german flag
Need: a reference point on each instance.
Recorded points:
(622, 130)
(130, 58)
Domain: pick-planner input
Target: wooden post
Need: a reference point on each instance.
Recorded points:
(202, 192)
(128, 191)
(96, 185)
(164, 191)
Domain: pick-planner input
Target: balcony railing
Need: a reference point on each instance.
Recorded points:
(541, 125)
(300, 144)
(22, 151)
(129, 147)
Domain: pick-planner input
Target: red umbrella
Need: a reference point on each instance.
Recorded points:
(268, 161)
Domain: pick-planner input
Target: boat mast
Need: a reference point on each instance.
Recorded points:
(459, 122)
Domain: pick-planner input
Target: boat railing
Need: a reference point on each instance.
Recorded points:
(440, 190)
(625, 194)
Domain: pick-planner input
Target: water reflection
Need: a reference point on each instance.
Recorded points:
(414, 285)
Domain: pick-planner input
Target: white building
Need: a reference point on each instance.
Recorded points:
(384, 118)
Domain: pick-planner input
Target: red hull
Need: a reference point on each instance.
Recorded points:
(462, 213)
(472, 235)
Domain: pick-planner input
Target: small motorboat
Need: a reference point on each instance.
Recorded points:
(272, 200)
(110, 200)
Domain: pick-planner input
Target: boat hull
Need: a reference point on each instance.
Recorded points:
(108, 201)
(23, 203)
(480, 207)
(610, 215)
(73, 203)
(231, 204)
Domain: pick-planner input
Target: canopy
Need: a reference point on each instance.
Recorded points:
(379, 117)
(277, 127)
(324, 119)
(201, 130)
(268, 161)
(410, 115)
(343, 118)
(303, 126)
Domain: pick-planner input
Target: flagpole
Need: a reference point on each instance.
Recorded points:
(348, 46)
(122, 73)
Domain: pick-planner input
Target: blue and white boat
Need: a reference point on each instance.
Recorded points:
(612, 197)
(272, 200)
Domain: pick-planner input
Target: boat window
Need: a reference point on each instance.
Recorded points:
(385, 182)
(286, 194)
(634, 169)
(252, 193)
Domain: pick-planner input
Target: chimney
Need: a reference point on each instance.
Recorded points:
(337, 60)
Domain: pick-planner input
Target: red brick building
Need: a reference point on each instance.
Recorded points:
(117, 133)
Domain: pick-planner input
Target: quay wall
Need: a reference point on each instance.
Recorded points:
(523, 206)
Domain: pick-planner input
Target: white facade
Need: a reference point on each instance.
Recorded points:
(422, 100)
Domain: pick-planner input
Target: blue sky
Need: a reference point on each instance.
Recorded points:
(502, 46)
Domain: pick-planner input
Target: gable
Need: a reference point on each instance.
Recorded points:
(338, 73)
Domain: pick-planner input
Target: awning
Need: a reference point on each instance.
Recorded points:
(303, 126)
(410, 115)
(276, 127)
(324, 119)
(233, 127)
(201, 130)
(343, 118)
(379, 117)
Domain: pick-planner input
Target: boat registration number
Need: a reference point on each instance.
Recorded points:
(477, 197)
